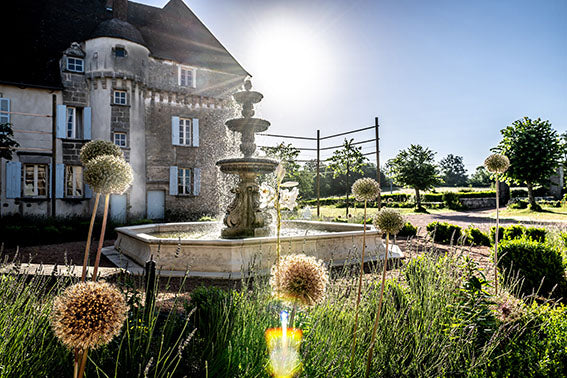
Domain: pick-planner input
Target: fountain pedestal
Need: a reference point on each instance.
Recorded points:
(244, 218)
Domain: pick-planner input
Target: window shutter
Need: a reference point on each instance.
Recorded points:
(50, 182)
(88, 191)
(175, 130)
(195, 132)
(5, 106)
(60, 121)
(87, 116)
(173, 181)
(13, 179)
(59, 180)
(196, 181)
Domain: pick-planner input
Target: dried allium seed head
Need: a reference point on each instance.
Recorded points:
(389, 221)
(497, 163)
(108, 174)
(300, 278)
(97, 148)
(88, 315)
(365, 189)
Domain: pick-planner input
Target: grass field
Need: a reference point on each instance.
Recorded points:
(331, 212)
(548, 213)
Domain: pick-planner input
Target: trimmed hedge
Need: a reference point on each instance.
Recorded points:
(409, 230)
(513, 232)
(533, 261)
(443, 232)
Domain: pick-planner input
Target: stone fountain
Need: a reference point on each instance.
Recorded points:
(244, 218)
(246, 243)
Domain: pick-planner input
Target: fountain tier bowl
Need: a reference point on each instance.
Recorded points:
(337, 243)
(247, 165)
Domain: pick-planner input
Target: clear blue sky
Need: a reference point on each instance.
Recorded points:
(444, 74)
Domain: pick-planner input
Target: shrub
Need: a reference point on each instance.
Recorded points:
(408, 230)
(477, 237)
(451, 201)
(518, 204)
(534, 261)
(513, 232)
(518, 231)
(443, 232)
(536, 234)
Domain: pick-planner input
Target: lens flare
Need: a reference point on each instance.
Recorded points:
(283, 347)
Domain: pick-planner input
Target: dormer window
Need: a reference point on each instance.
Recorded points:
(120, 51)
(75, 64)
(187, 77)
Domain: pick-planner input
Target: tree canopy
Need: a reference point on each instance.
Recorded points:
(7, 142)
(453, 169)
(535, 151)
(414, 168)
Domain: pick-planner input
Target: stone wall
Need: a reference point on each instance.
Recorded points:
(479, 203)
(71, 150)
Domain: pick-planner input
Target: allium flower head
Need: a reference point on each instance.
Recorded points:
(299, 278)
(108, 174)
(365, 189)
(88, 315)
(97, 148)
(497, 163)
(389, 221)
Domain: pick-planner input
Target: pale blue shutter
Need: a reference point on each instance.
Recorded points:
(13, 179)
(59, 180)
(173, 181)
(175, 130)
(87, 116)
(5, 107)
(61, 121)
(88, 191)
(196, 181)
(195, 132)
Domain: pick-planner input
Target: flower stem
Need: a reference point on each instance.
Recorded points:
(89, 239)
(496, 238)
(101, 240)
(359, 291)
(371, 352)
(83, 363)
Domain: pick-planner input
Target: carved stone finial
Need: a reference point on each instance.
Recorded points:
(247, 85)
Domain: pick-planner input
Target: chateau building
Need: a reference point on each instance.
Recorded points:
(154, 81)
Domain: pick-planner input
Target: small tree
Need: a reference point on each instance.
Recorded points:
(7, 143)
(453, 169)
(534, 150)
(346, 160)
(414, 168)
(287, 155)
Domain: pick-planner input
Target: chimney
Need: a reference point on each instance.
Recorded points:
(120, 9)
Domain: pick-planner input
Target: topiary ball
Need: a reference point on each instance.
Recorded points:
(98, 148)
(389, 221)
(497, 163)
(108, 174)
(365, 189)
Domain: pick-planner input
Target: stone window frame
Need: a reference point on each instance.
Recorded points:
(117, 91)
(76, 123)
(121, 133)
(180, 70)
(73, 67)
(35, 180)
(185, 181)
(77, 191)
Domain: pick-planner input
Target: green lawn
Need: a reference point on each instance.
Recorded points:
(331, 212)
(548, 213)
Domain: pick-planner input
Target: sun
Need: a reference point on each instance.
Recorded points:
(290, 60)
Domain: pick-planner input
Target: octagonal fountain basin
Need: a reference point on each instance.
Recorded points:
(196, 248)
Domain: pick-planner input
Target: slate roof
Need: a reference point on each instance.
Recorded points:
(45, 28)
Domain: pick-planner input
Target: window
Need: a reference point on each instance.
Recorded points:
(71, 122)
(186, 77)
(119, 52)
(120, 97)
(4, 110)
(184, 181)
(185, 126)
(75, 64)
(35, 180)
(73, 181)
(120, 139)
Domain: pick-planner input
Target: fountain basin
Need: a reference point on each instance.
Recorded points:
(247, 165)
(337, 243)
(242, 125)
